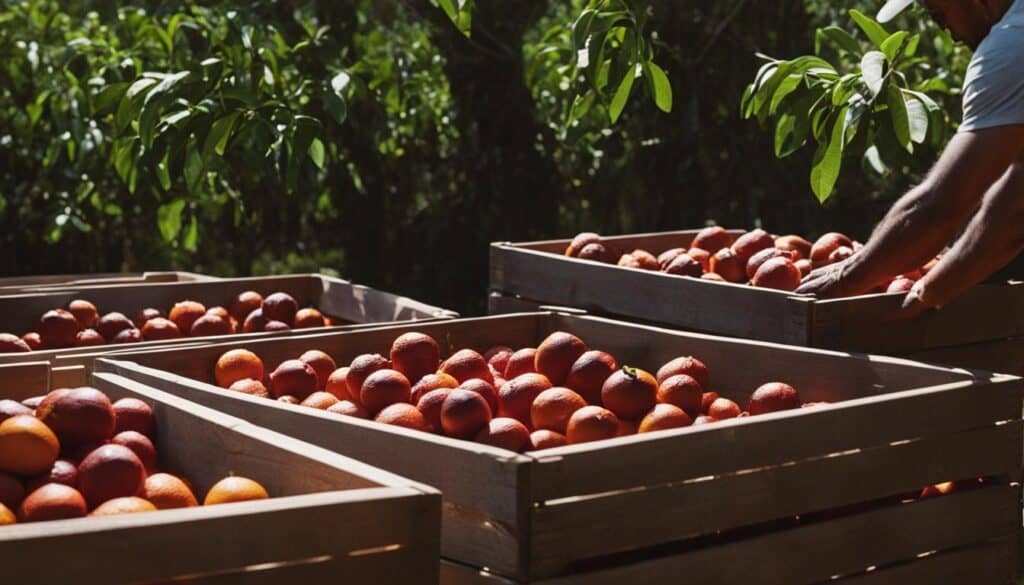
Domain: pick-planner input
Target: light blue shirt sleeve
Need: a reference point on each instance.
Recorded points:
(994, 85)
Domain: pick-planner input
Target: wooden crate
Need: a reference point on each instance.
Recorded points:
(18, 284)
(331, 519)
(632, 508)
(538, 272)
(355, 305)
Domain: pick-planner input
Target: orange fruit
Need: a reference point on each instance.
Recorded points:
(464, 413)
(184, 314)
(939, 489)
(58, 328)
(685, 265)
(702, 256)
(432, 382)
(124, 505)
(6, 516)
(483, 388)
(9, 408)
(505, 433)
(688, 365)
(778, 274)
(467, 364)
(113, 323)
(12, 344)
(360, 369)
(415, 355)
(12, 492)
(322, 364)
(515, 397)
(592, 423)
(349, 408)
(244, 304)
(704, 420)
(53, 501)
(800, 247)
(280, 306)
(588, 373)
(288, 399)
(27, 446)
(109, 472)
(723, 408)
(210, 325)
(273, 326)
(682, 391)
(160, 328)
(773, 397)
(250, 386)
(839, 254)
(140, 445)
(402, 414)
(320, 400)
(521, 362)
(35, 343)
(629, 393)
(89, 338)
(132, 414)
(131, 335)
(255, 322)
(712, 238)
(556, 355)
(666, 257)
(662, 417)
(763, 256)
(309, 318)
(294, 378)
(580, 241)
(899, 284)
(143, 316)
(384, 388)
(825, 245)
(553, 407)
(63, 471)
(337, 383)
(645, 259)
(84, 312)
(220, 312)
(751, 243)
(545, 439)
(237, 364)
(804, 266)
(626, 428)
(235, 489)
(598, 252)
(430, 405)
(713, 276)
(497, 357)
(629, 261)
(728, 265)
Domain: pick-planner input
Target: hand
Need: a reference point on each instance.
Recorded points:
(824, 282)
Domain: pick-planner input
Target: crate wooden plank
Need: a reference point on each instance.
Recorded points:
(622, 521)
(402, 565)
(16, 284)
(724, 308)
(990, 563)
(1002, 355)
(24, 380)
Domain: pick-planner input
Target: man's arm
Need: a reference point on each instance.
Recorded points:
(993, 238)
(929, 216)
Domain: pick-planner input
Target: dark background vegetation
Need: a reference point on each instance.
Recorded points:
(445, 143)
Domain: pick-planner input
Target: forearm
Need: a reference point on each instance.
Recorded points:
(992, 239)
(916, 228)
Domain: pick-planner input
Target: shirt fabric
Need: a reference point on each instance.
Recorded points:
(994, 85)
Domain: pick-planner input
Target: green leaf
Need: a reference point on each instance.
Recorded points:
(316, 152)
(900, 117)
(163, 173)
(168, 219)
(191, 235)
(660, 86)
(220, 132)
(783, 130)
(193, 170)
(917, 116)
(108, 97)
(841, 39)
(581, 29)
(892, 44)
(788, 86)
(876, 33)
(618, 102)
(872, 67)
(828, 159)
(874, 159)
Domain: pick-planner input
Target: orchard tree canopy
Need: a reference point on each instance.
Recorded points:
(392, 140)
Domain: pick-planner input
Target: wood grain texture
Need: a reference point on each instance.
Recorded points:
(53, 282)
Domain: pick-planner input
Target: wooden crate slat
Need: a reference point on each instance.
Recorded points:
(1003, 355)
(990, 563)
(724, 308)
(631, 520)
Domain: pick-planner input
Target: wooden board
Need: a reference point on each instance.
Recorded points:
(896, 426)
(16, 284)
(538, 272)
(330, 517)
(356, 305)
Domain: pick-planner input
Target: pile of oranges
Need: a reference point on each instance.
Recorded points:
(755, 257)
(72, 453)
(560, 392)
(80, 324)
